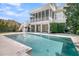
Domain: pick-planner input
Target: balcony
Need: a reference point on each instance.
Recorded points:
(40, 19)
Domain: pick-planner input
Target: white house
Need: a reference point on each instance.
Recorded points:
(41, 17)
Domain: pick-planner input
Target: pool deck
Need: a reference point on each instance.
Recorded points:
(13, 48)
(9, 47)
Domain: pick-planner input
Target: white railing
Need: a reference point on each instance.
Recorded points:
(40, 19)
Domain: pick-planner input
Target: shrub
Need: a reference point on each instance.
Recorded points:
(57, 27)
(77, 32)
(53, 27)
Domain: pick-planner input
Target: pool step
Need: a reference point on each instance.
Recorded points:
(77, 46)
(22, 54)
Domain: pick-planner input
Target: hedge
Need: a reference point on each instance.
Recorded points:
(57, 27)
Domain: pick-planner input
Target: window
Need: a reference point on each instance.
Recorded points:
(42, 14)
(47, 13)
(36, 15)
(39, 14)
(52, 14)
(30, 19)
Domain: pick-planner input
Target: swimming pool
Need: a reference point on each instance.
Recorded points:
(44, 45)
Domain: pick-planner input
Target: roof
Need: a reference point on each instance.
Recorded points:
(44, 7)
(47, 6)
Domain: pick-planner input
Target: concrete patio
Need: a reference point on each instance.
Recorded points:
(9, 47)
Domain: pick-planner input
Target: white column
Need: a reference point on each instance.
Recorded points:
(49, 23)
(35, 27)
(48, 27)
(41, 27)
(49, 14)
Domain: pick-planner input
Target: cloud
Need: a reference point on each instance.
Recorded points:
(6, 18)
(15, 4)
(20, 14)
(6, 8)
(10, 13)
(24, 13)
(20, 9)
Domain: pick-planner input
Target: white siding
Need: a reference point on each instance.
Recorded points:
(60, 17)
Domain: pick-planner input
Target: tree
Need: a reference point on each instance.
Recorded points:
(9, 25)
(72, 14)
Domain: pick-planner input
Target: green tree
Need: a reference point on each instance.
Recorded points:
(9, 25)
(72, 14)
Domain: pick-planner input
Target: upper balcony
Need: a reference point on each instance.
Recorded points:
(45, 15)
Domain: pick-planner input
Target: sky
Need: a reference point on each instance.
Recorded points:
(18, 11)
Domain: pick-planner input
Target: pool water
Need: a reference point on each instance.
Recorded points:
(43, 45)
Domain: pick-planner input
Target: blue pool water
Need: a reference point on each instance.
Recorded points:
(43, 45)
